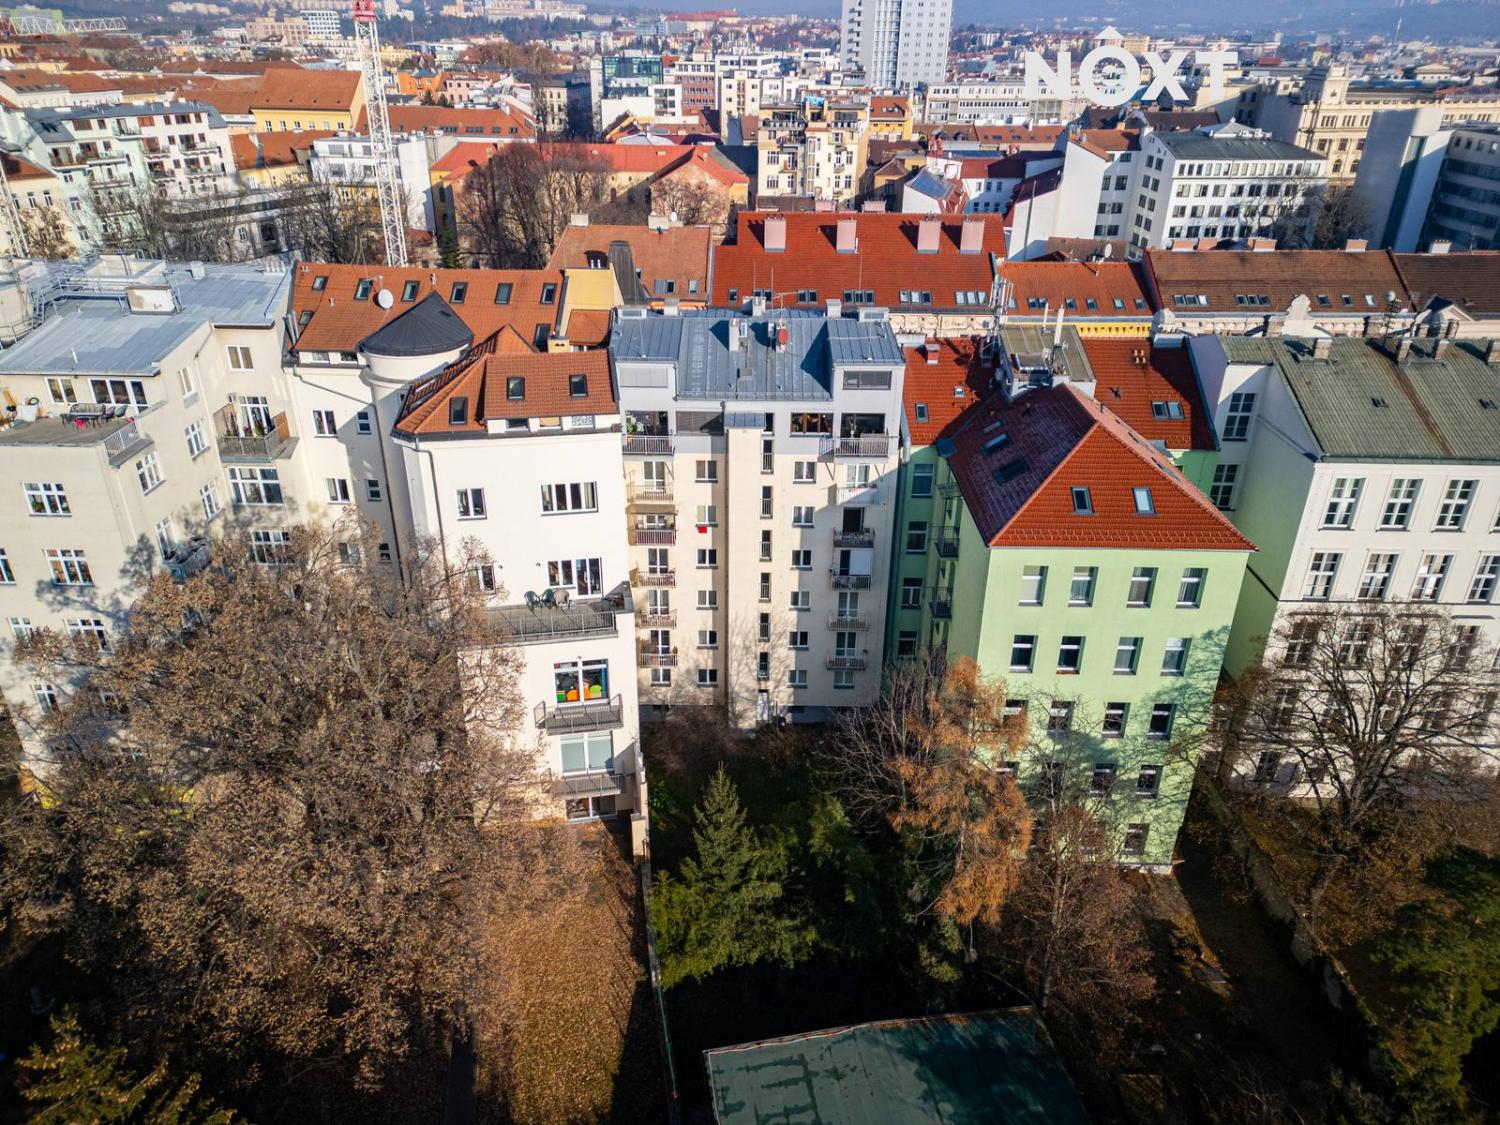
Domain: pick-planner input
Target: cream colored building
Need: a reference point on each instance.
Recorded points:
(812, 147)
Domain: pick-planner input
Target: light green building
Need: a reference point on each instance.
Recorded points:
(1061, 550)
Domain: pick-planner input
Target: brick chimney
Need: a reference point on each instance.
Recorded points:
(972, 239)
(775, 234)
(1440, 349)
(1492, 353)
(1323, 347)
(873, 207)
(1357, 245)
(928, 231)
(848, 237)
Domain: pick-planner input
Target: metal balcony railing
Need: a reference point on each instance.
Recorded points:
(842, 662)
(537, 624)
(656, 617)
(654, 578)
(839, 581)
(864, 445)
(946, 541)
(848, 621)
(653, 536)
(656, 657)
(257, 441)
(649, 494)
(660, 444)
(569, 718)
(865, 538)
(940, 599)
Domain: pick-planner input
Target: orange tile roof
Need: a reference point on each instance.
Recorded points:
(1323, 276)
(232, 99)
(1105, 141)
(282, 88)
(933, 385)
(19, 168)
(274, 150)
(483, 381)
(587, 328)
(1129, 388)
(888, 107)
(1115, 288)
(1020, 495)
(1026, 136)
(886, 260)
(337, 322)
(461, 122)
(1471, 280)
(678, 254)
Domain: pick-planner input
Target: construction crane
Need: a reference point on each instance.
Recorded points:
(10, 217)
(46, 25)
(387, 174)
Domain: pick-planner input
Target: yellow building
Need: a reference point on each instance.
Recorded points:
(290, 99)
(890, 119)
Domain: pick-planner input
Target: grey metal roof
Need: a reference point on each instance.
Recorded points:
(48, 115)
(90, 331)
(1200, 146)
(1362, 405)
(430, 327)
(697, 341)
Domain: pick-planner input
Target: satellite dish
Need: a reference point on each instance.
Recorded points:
(385, 298)
(1108, 251)
(672, 217)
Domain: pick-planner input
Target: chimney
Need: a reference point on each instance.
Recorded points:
(775, 234)
(1357, 245)
(757, 306)
(972, 239)
(826, 206)
(1440, 246)
(578, 219)
(1492, 353)
(1262, 244)
(927, 235)
(930, 351)
(873, 207)
(1440, 349)
(834, 307)
(1322, 347)
(848, 240)
(1403, 349)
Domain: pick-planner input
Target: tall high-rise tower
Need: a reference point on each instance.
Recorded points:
(897, 43)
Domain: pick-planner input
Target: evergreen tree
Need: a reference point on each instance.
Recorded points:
(79, 1080)
(448, 252)
(1444, 955)
(727, 907)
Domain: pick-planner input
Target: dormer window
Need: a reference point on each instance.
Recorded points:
(1143, 502)
(578, 386)
(458, 410)
(1169, 411)
(1083, 500)
(515, 387)
(459, 291)
(362, 289)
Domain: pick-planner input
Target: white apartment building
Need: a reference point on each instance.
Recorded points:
(812, 147)
(896, 44)
(1366, 470)
(761, 465)
(1000, 101)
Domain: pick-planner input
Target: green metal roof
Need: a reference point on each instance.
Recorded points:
(957, 1069)
(1361, 404)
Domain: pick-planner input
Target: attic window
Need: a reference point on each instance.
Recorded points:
(303, 318)
(1487, 404)
(995, 444)
(362, 289)
(1083, 500)
(409, 291)
(921, 412)
(1119, 304)
(1323, 301)
(320, 283)
(1033, 302)
(515, 387)
(1348, 300)
(1378, 403)
(578, 386)
(1010, 471)
(1143, 503)
(958, 390)
(549, 293)
(1140, 302)
(459, 291)
(1090, 303)
(1167, 410)
(1070, 303)
(503, 292)
(458, 410)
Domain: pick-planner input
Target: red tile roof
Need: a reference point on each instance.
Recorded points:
(888, 108)
(1020, 494)
(678, 254)
(886, 260)
(272, 150)
(1109, 285)
(1133, 375)
(1025, 136)
(18, 168)
(1470, 280)
(1325, 277)
(483, 381)
(934, 385)
(284, 88)
(461, 122)
(338, 322)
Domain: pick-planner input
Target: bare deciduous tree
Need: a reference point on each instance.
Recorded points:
(325, 222)
(692, 201)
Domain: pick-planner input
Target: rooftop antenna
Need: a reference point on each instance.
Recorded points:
(387, 181)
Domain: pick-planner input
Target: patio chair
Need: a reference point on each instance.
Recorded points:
(532, 601)
(561, 597)
(549, 599)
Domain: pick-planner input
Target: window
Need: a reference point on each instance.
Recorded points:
(148, 472)
(61, 392)
(911, 593)
(21, 628)
(1455, 506)
(1127, 655)
(1320, 575)
(69, 567)
(797, 638)
(580, 681)
(802, 516)
(1174, 658)
(1022, 651)
(1167, 411)
(1144, 505)
(120, 392)
(515, 388)
(1135, 839)
(578, 386)
(1083, 500)
(338, 490)
(1399, 503)
(196, 442)
(1148, 781)
(46, 698)
(916, 537)
(906, 644)
(1102, 778)
(796, 678)
(1343, 501)
(765, 586)
(323, 424)
(843, 679)
(1190, 590)
(549, 293)
(708, 638)
(802, 559)
(585, 753)
(1160, 727)
(471, 504)
(1430, 577)
(708, 677)
(1464, 644)
(1142, 584)
(1070, 655)
(7, 575)
(362, 287)
(765, 546)
(805, 472)
(362, 422)
(255, 486)
(1059, 718)
(708, 558)
(706, 515)
(90, 629)
(503, 292)
(1301, 640)
(1221, 491)
(239, 358)
(1115, 715)
(708, 599)
(459, 291)
(1354, 646)
(577, 497)
(1033, 585)
(582, 576)
(47, 500)
(1237, 418)
(1482, 589)
(409, 291)
(269, 547)
(1375, 583)
(801, 600)
(921, 481)
(1081, 591)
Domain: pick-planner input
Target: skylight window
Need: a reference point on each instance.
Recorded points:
(995, 444)
(362, 289)
(1143, 502)
(1083, 500)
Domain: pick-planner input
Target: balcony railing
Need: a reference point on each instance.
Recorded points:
(654, 617)
(865, 445)
(839, 581)
(252, 442)
(854, 538)
(861, 494)
(570, 718)
(847, 621)
(841, 662)
(658, 444)
(941, 601)
(538, 624)
(654, 578)
(652, 657)
(653, 536)
(649, 494)
(120, 444)
(947, 542)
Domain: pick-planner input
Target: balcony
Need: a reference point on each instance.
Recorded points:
(848, 621)
(941, 602)
(840, 581)
(863, 495)
(854, 539)
(652, 656)
(538, 624)
(658, 445)
(588, 783)
(187, 559)
(646, 536)
(241, 440)
(649, 495)
(844, 662)
(124, 443)
(865, 445)
(573, 718)
(653, 578)
(946, 541)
